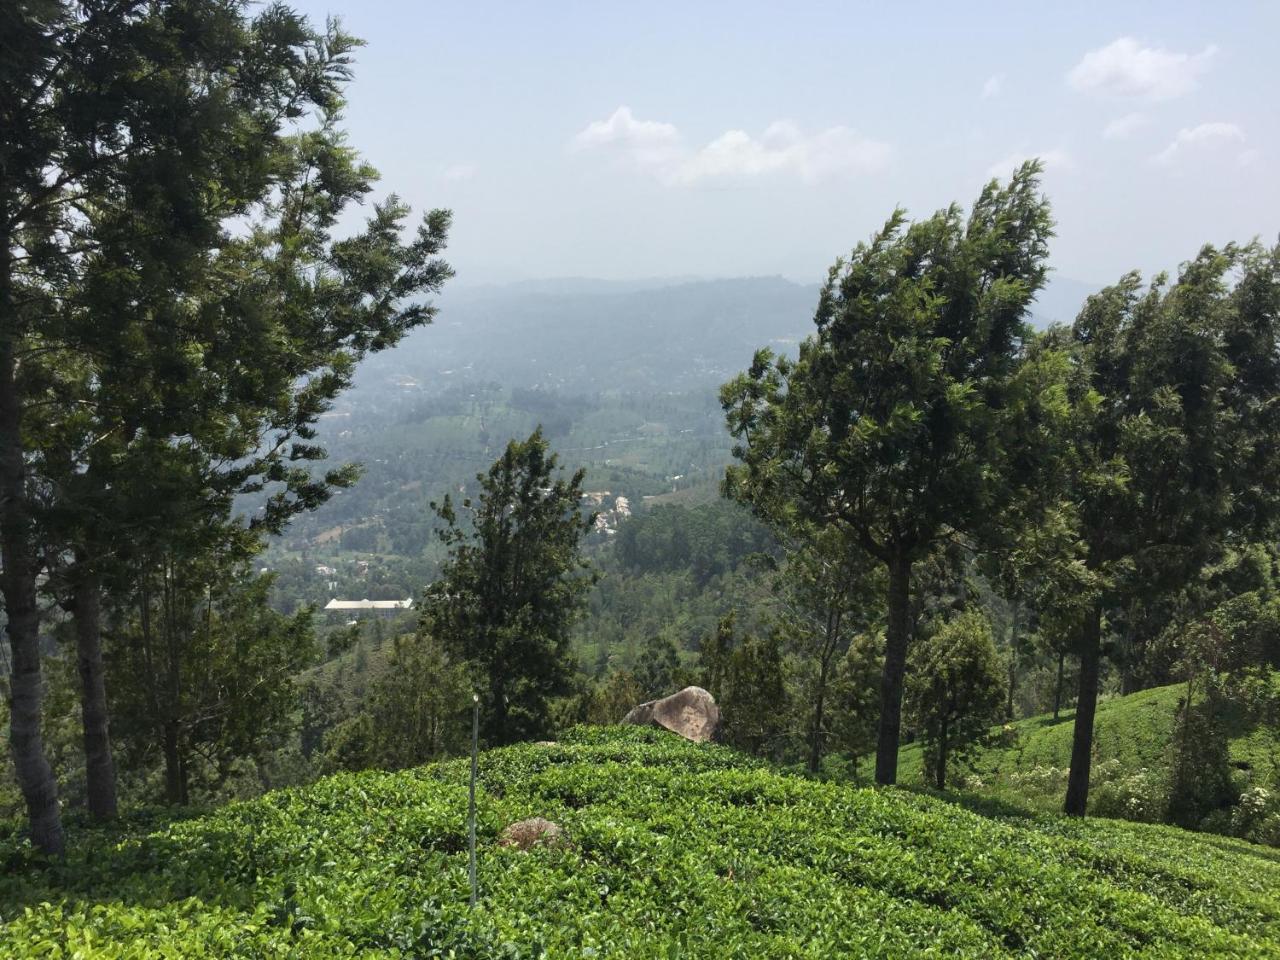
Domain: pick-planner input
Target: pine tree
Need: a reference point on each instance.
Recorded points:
(512, 585)
(140, 336)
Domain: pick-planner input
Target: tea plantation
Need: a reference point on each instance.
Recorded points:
(675, 850)
(1027, 761)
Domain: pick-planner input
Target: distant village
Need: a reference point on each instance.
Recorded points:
(610, 511)
(607, 518)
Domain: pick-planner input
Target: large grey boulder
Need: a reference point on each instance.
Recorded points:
(692, 713)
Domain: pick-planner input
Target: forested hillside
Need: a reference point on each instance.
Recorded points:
(954, 590)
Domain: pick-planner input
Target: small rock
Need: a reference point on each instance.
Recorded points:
(535, 832)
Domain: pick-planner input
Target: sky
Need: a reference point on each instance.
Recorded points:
(709, 139)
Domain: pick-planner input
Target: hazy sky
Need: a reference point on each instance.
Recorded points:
(726, 139)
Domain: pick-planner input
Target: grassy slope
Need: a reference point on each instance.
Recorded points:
(1136, 731)
(677, 851)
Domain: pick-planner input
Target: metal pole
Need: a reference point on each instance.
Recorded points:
(475, 754)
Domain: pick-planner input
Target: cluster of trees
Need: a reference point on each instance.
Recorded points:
(930, 475)
(175, 314)
(1096, 470)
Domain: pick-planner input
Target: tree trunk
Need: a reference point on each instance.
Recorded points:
(1013, 661)
(1057, 690)
(99, 767)
(35, 775)
(1131, 676)
(895, 665)
(1013, 683)
(1077, 799)
(829, 644)
(498, 691)
(819, 702)
(175, 634)
(940, 774)
(172, 765)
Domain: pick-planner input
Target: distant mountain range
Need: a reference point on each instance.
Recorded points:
(583, 337)
(587, 337)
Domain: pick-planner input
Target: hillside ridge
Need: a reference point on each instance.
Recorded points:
(676, 850)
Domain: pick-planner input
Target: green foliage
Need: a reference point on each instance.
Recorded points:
(1172, 440)
(210, 670)
(856, 696)
(511, 586)
(754, 698)
(177, 315)
(717, 656)
(826, 595)
(416, 710)
(1136, 752)
(708, 541)
(906, 415)
(611, 699)
(625, 610)
(677, 850)
(659, 672)
(954, 690)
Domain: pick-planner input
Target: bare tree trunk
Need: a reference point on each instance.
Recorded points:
(35, 775)
(1057, 690)
(895, 666)
(1013, 661)
(173, 776)
(830, 643)
(499, 713)
(940, 774)
(175, 762)
(1077, 799)
(819, 703)
(1013, 683)
(100, 768)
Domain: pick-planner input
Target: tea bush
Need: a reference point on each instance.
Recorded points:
(676, 850)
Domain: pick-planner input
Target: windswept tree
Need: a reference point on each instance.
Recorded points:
(908, 416)
(512, 585)
(1175, 444)
(171, 300)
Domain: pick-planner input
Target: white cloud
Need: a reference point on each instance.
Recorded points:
(1205, 136)
(647, 143)
(783, 149)
(458, 172)
(1121, 127)
(1126, 68)
(1056, 159)
(993, 87)
(1248, 158)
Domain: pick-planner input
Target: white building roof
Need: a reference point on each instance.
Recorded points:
(369, 604)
